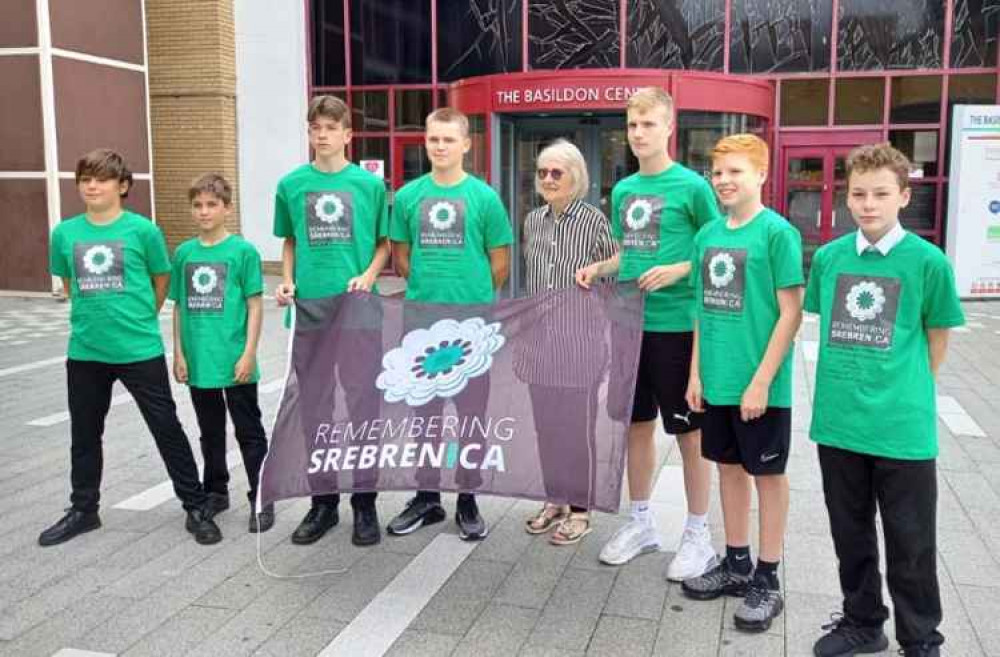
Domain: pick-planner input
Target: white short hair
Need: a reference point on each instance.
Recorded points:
(570, 157)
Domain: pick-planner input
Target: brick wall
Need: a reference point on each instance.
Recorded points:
(192, 86)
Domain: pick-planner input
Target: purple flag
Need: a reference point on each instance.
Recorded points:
(523, 398)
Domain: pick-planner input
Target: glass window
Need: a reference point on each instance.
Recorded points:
(328, 43)
(916, 99)
(698, 132)
(390, 41)
(372, 148)
(370, 111)
(412, 107)
(804, 102)
(478, 37)
(415, 162)
(975, 24)
(890, 34)
(573, 34)
(921, 146)
(442, 98)
(859, 101)
(676, 34)
(788, 36)
(919, 214)
(475, 159)
(967, 90)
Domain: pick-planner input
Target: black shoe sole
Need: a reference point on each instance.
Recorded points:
(204, 540)
(427, 519)
(473, 537)
(69, 537)
(366, 542)
(880, 646)
(758, 626)
(737, 592)
(312, 538)
(261, 527)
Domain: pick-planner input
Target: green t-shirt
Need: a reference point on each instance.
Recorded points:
(114, 316)
(450, 231)
(210, 285)
(336, 219)
(736, 274)
(655, 219)
(874, 390)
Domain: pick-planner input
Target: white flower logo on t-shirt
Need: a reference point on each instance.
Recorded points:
(204, 280)
(329, 208)
(721, 269)
(442, 215)
(639, 214)
(865, 301)
(98, 259)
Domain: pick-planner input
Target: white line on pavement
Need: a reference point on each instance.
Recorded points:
(957, 419)
(376, 628)
(160, 493)
(73, 652)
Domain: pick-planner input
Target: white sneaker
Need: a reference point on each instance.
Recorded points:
(694, 556)
(630, 541)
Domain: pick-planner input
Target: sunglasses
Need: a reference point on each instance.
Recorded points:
(556, 174)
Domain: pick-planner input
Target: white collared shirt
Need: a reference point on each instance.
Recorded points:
(884, 245)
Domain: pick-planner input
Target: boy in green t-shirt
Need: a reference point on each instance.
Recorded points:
(216, 288)
(334, 221)
(115, 268)
(747, 277)
(655, 215)
(451, 242)
(886, 299)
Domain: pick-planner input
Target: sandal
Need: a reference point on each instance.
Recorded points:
(550, 516)
(572, 529)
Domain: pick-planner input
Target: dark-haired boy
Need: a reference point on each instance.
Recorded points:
(216, 288)
(886, 299)
(334, 221)
(115, 268)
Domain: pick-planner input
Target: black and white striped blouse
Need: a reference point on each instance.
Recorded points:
(555, 247)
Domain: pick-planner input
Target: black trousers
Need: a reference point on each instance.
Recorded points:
(210, 406)
(905, 493)
(89, 386)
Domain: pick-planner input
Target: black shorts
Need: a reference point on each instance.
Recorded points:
(761, 446)
(664, 366)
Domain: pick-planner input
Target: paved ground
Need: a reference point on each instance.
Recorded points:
(141, 586)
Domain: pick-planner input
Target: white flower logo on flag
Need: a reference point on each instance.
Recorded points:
(865, 301)
(98, 259)
(639, 214)
(721, 269)
(329, 208)
(442, 215)
(204, 280)
(439, 361)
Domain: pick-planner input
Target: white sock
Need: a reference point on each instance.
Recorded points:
(642, 512)
(696, 521)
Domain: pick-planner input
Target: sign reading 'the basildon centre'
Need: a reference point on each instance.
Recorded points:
(974, 200)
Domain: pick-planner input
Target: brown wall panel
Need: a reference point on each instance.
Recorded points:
(19, 29)
(21, 136)
(100, 107)
(106, 28)
(70, 204)
(24, 224)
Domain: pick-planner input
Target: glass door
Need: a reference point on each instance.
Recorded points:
(409, 161)
(807, 196)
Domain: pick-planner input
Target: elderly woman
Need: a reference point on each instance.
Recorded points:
(560, 237)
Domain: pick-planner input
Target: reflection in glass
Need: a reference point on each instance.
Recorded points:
(698, 132)
(805, 170)
(803, 208)
(328, 43)
(975, 25)
(676, 34)
(804, 102)
(886, 34)
(475, 159)
(919, 214)
(842, 222)
(478, 37)
(574, 34)
(373, 148)
(979, 89)
(415, 162)
(390, 41)
(788, 36)
(921, 146)
(916, 99)
(412, 107)
(859, 101)
(370, 111)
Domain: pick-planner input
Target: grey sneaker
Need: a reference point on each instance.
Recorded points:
(760, 606)
(717, 581)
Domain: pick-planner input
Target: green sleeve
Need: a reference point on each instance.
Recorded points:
(381, 212)
(616, 218)
(176, 275)
(282, 218)
(694, 278)
(941, 306)
(812, 300)
(785, 253)
(498, 232)
(704, 207)
(157, 256)
(57, 259)
(399, 222)
(253, 278)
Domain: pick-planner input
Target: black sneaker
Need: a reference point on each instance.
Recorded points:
(216, 503)
(261, 522)
(366, 527)
(418, 512)
(761, 605)
(201, 525)
(471, 525)
(70, 525)
(317, 521)
(845, 638)
(920, 650)
(718, 581)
